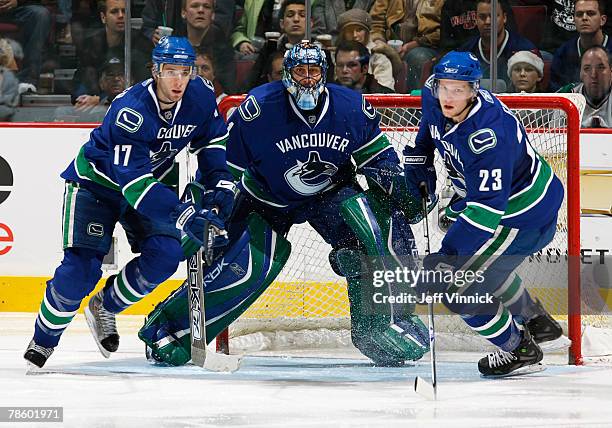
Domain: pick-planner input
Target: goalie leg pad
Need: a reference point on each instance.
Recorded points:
(386, 333)
(233, 282)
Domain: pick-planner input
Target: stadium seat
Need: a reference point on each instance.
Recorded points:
(400, 79)
(546, 77)
(530, 21)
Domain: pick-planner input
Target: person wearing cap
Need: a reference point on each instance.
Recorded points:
(385, 63)
(525, 70)
(112, 83)
(326, 13)
(417, 24)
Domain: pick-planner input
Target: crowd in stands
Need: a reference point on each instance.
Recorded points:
(373, 46)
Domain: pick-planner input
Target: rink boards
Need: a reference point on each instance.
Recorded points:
(30, 214)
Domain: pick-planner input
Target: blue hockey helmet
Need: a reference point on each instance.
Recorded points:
(173, 50)
(302, 53)
(455, 65)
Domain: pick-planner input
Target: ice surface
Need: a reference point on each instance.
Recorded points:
(335, 388)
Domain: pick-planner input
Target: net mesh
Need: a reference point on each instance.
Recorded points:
(309, 295)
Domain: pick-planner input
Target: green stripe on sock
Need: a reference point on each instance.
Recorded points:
(124, 291)
(54, 319)
(497, 328)
(511, 291)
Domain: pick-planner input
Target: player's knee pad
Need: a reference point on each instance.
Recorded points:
(78, 273)
(231, 284)
(159, 258)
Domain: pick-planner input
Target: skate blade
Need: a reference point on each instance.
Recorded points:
(222, 363)
(32, 369)
(554, 345)
(424, 388)
(91, 323)
(533, 368)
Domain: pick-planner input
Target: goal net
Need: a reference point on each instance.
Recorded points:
(310, 301)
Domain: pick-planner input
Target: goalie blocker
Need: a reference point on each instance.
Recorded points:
(387, 334)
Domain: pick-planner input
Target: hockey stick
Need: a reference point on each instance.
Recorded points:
(197, 315)
(421, 386)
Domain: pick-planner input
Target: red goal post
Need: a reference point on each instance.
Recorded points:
(395, 106)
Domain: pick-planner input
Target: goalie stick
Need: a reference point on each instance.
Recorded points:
(197, 315)
(421, 386)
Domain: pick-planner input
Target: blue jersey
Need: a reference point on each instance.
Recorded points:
(132, 152)
(499, 176)
(283, 156)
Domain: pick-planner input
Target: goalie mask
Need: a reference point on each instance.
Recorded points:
(307, 82)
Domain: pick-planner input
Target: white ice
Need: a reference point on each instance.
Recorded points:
(335, 389)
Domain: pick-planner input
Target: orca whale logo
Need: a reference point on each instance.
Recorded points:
(312, 176)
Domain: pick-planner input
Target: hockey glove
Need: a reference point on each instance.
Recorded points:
(221, 197)
(415, 172)
(195, 222)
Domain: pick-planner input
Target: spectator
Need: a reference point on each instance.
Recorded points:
(112, 83)
(202, 32)
(326, 13)
(256, 20)
(205, 64)
(589, 17)
(596, 84)
(508, 43)
(352, 63)
(34, 21)
(458, 22)
(9, 85)
(355, 24)
(98, 46)
(414, 22)
(274, 71)
(525, 70)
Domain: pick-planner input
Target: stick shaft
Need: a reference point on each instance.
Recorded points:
(430, 308)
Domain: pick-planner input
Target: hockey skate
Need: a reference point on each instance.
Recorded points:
(522, 360)
(37, 355)
(102, 323)
(546, 331)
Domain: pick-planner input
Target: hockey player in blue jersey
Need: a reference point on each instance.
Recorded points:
(124, 174)
(504, 209)
(293, 148)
